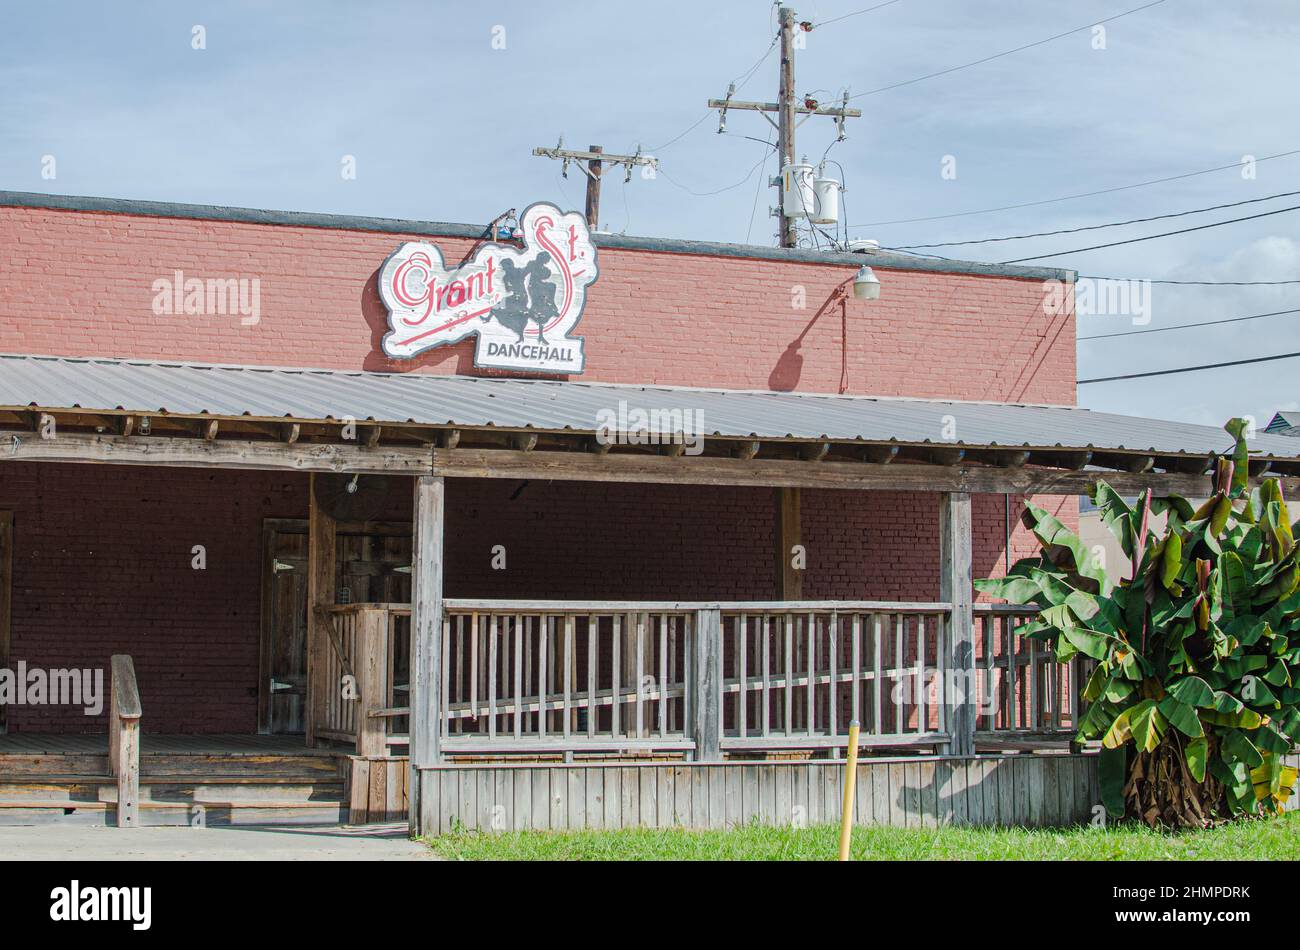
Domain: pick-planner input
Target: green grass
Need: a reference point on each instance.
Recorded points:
(1249, 840)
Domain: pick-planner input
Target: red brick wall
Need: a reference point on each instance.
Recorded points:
(79, 283)
(102, 564)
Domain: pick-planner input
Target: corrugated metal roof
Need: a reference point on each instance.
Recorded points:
(395, 398)
(1286, 422)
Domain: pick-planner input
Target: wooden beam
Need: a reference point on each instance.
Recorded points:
(1066, 459)
(944, 455)
(1012, 459)
(858, 476)
(788, 534)
(196, 453)
(321, 534)
(426, 636)
(1193, 465)
(956, 588)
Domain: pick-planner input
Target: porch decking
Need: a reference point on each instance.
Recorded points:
(28, 743)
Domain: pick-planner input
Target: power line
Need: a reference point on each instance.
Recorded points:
(1187, 326)
(1018, 49)
(709, 194)
(1098, 227)
(1189, 369)
(747, 75)
(1082, 194)
(855, 13)
(1198, 283)
(1152, 237)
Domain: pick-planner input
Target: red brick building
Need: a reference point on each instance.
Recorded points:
(937, 389)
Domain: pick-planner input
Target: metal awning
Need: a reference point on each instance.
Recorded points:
(396, 400)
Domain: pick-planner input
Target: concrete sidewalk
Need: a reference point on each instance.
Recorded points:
(264, 843)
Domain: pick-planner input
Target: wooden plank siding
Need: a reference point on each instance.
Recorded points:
(375, 789)
(918, 791)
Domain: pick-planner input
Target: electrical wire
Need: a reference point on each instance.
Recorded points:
(758, 190)
(887, 3)
(1018, 49)
(1112, 224)
(709, 194)
(1153, 237)
(1083, 194)
(1187, 326)
(1198, 283)
(1189, 369)
(747, 75)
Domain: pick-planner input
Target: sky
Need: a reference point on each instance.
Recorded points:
(438, 105)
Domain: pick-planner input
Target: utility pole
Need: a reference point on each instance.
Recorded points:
(593, 187)
(595, 158)
(787, 108)
(785, 126)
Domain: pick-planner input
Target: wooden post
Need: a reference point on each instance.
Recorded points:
(706, 698)
(956, 587)
(593, 188)
(789, 532)
(124, 739)
(321, 531)
(426, 637)
(371, 667)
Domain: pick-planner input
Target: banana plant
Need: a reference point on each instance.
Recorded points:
(1194, 694)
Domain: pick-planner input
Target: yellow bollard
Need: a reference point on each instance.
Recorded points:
(850, 784)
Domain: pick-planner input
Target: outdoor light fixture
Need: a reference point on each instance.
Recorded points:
(866, 286)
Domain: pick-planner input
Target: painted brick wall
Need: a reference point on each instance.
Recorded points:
(102, 564)
(79, 283)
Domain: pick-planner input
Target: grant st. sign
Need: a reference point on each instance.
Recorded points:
(522, 303)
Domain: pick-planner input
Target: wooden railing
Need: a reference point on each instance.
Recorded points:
(520, 676)
(1022, 692)
(365, 676)
(796, 675)
(124, 714)
(700, 679)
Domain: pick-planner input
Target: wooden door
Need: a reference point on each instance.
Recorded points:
(282, 690)
(373, 566)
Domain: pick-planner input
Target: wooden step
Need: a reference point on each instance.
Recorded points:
(45, 763)
(173, 814)
(239, 764)
(92, 788)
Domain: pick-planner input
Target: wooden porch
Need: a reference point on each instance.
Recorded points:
(190, 780)
(231, 744)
